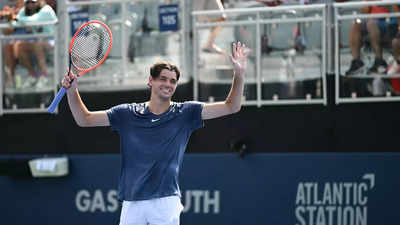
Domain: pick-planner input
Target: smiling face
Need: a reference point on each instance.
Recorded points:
(164, 85)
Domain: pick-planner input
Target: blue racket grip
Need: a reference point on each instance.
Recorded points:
(56, 100)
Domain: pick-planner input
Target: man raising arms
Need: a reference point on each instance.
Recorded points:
(153, 136)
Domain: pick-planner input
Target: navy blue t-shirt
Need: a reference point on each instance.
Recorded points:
(152, 147)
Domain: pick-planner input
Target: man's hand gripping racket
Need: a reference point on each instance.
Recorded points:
(88, 49)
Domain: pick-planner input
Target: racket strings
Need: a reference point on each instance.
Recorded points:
(90, 46)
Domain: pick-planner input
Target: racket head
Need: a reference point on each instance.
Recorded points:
(89, 47)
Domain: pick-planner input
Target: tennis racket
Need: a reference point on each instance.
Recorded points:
(88, 49)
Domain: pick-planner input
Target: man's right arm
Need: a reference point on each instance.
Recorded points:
(83, 117)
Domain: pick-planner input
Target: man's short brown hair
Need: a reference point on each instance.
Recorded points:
(155, 70)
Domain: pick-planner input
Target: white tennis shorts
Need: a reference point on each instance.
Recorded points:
(158, 211)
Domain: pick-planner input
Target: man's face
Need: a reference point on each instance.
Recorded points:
(31, 4)
(164, 86)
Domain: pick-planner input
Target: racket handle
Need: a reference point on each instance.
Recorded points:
(56, 100)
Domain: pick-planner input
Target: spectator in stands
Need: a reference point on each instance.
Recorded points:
(378, 31)
(36, 11)
(10, 47)
(210, 46)
(394, 68)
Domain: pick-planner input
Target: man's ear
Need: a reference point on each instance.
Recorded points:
(150, 83)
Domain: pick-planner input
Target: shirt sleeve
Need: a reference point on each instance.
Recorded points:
(45, 14)
(20, 14)
(194, 110)
(116, 116)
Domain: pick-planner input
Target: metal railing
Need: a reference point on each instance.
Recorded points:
(257, 82)
(353, 15)
(257, 20)
(116, 73)
(41, 108)
(124, 73)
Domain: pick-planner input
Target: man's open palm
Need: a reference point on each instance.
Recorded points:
(239, 58)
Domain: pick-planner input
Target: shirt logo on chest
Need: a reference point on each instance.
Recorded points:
(155, 120)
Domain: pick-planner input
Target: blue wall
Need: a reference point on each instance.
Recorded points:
(276, 189)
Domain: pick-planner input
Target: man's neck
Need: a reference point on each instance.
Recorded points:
(158, 106)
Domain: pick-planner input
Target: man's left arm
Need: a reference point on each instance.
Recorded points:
(232, 103)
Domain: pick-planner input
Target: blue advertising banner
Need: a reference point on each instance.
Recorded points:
(168, 17)
(278, 189)
(78, 18)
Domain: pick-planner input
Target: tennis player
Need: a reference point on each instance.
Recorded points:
(154, 136)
